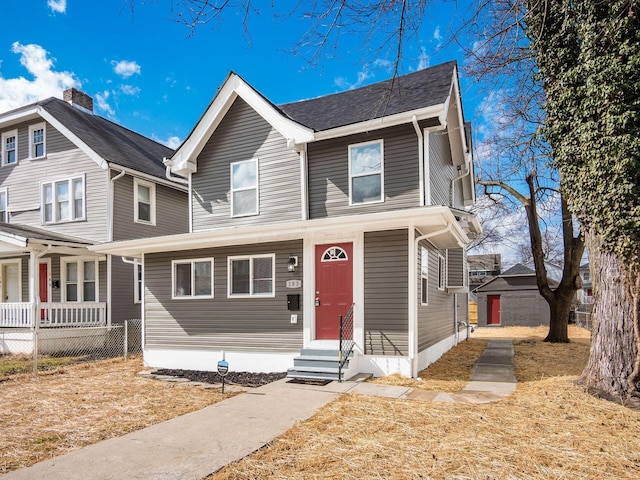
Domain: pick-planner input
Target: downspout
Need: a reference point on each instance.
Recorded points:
(110, 204)
(413, 274)
(304, 186)
(459, 177)
(423, 180)
(168, 163)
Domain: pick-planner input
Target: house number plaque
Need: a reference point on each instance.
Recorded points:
(294, 283)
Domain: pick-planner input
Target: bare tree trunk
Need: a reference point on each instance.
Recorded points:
(613, 368)
(560, 309)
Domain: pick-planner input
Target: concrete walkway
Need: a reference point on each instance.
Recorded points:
(195, 445)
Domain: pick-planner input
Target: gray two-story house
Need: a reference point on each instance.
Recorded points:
(347, 205)
(70, 179)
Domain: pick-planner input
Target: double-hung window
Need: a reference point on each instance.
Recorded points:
(442, 272)
(80, 280)
(424, 276)
(10, 147)
(37, 139)
(252, 276)
(192, 278)
(144, 200)
(366, 172)
(63, 200)
(4, 203)
(244, 188)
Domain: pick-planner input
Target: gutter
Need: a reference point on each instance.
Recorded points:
(168, 163)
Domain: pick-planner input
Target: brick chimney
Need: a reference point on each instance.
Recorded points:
(78, 99)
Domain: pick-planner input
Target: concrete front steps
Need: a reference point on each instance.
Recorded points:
(319, 365)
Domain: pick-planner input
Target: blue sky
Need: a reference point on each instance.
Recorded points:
(147, 73)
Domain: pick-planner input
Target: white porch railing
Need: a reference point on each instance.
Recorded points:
(73, 314)
(54, 314)
(15, 314)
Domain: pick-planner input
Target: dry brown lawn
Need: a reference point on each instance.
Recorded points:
(549, 428)
(77, 405)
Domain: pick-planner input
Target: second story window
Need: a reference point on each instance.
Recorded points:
(144, 200)
(244, 188)
(63, 200)
(37, 139)
(10, 147)
(4, 201)
(366, 172)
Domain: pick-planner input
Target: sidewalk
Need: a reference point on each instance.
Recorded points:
(195, 445)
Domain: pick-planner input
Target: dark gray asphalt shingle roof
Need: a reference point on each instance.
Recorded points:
(112, 142)
(518, 269)
(28, 232)
(421, 89)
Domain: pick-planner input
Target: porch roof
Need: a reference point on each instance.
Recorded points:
(451, 229)
(17, 238)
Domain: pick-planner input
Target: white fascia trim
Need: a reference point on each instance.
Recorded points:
(185, 158)
(423, 217)
(150, 178)
(19, 116)
(102, 163)
(14, 240)
(434, 111)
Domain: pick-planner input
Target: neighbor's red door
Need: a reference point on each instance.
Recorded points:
(44, 286)
(493, 309)
(334, 288)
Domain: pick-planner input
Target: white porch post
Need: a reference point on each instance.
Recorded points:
(34, 288)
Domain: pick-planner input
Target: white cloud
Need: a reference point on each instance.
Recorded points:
(46, 82)
(126, 68)
(129, 89)
(437, 35)
(59, 6)
(102, 103)
(171, 142)
(423, 61)
(363, 75)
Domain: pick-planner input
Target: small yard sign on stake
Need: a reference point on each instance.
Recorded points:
(223, 369)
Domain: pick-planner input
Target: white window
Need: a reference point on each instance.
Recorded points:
(244, 188)
(366, 178)
(37, 139)
(252, 276)
(79, 280)
(192, 278)
(10, 147)
(137, 282)
(424, 276)
(442, 272)
(144, 199)
(4, 203)
(63, 200)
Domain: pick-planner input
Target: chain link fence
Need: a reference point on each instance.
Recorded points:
(81, 343)
(582, 315)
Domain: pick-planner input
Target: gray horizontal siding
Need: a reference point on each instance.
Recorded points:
(172, 211)
(248, 324)
(329, 173)
(436, 319)
(123, 306)
(386, 321)
(245, 135)
(441, 169)
(63, 160)
(456, 267)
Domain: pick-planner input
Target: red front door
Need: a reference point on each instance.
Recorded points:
(44, 286)
(334, 288)
(493, 309)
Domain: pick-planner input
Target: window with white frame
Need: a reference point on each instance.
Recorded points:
(366, 177)
(4, 203)
(144, 200)
(424, 276)
(252, 276)
(10, 147)
(37, 139)
(192, 278)
(137, 281)
(79, 280)
(63, 200)
(442, 272)
(244, 188)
